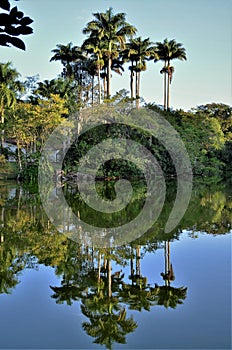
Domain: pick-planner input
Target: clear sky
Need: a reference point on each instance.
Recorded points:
(202, 26)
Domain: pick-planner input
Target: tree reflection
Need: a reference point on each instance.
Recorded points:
(108, 321)
(168, 275)
(167, 295)
(106, 284)
(98, 292)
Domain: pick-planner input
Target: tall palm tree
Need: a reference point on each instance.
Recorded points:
(129, 55)
(67, 54)
(74, 62)
(139, 51)
(112, 29)
(95, 46)
(168, 51)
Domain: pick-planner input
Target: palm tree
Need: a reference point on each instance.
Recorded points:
(67, 54)
(74, 62)
(168, 296)
(112, 29)
(168, 51)
(168, 275)
(107, 318)
(9, 87)
(138, 51)
(95, 46)
(129, 55)
(65, 89)
(55, 86)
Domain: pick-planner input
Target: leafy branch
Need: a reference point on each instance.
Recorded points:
(12, 25)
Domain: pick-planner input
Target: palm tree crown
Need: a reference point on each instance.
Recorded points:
(67, 54)
(112, 29)
(138, 51)
(168, 51)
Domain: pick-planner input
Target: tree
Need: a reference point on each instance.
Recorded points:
(9, 86)
(138, 51)
(67, 54)
(129, 55)
(60, 86)
(12, 25)
(94, 45)
(168, 51)
(220, 111)
(112, 30)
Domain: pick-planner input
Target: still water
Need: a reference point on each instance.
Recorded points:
(160, 291)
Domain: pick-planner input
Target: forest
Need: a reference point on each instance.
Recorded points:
(31, 109)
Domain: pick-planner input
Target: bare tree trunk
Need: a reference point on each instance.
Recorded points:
(132, 82)
(165, 91)
(137, 89)
(99, 267)
(138, 257)
(109, 278)
(99, 84)
(2, 122)
(104, 86)
(108, 77)
(2, 224)
(166, 261)
(92, 92)
(168, 89)
(19, 157)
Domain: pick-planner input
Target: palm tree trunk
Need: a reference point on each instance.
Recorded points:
(168, 90)
(92, 92)
(109, 278)
(137, 89)
(165, 86)
(139, 75)
(99, 267)
(108, 77)
(2, 224)
(166, 260)
(165, 91)
(132, 82)
(138, 257)
(99, 84)
(2, 122)
(104, 86)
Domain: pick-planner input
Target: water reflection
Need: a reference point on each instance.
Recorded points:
(109, 284)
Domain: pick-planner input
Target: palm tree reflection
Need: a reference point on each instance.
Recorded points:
(166, 295)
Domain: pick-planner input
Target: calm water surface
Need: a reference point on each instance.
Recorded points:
(161, 291)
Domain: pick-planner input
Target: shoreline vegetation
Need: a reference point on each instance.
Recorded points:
(30, 110)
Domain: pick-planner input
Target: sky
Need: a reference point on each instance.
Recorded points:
(202, 26)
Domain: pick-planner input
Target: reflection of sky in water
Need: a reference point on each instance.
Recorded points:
(31, 318)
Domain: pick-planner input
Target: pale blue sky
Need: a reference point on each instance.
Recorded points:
(203, 26)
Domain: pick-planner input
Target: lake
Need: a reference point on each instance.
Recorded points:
(162, 290)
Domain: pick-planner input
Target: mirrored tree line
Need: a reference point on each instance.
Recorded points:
(106, 284)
